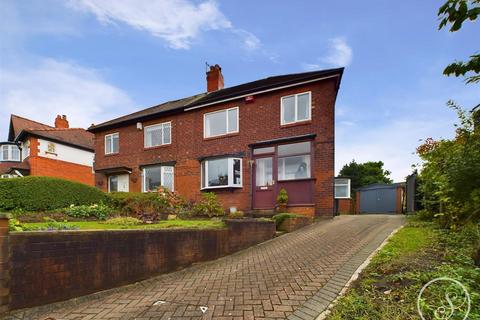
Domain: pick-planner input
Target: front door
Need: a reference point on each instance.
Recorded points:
(264, 182)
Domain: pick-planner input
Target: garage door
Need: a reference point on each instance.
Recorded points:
(381, 200)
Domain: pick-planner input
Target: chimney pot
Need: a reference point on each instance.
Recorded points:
(214, 78)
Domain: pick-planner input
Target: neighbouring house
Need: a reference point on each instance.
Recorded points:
(343, 200)
(244, 143)
(37, 149)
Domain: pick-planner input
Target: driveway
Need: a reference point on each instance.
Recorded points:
(296, 276)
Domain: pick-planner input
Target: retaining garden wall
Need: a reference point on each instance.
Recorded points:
(52, 266)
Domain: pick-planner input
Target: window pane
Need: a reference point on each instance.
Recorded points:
(113, 183)
(264, 150)
(341, 191)
(264, 172)
(291, 168)
(215, 124)
(152, 178)
(204, 178)
(217, 172)
(108, 144)
(288, 107)
(237, 175)
(15, 153)
(294, 148)
(341, 181)
(303, 105)
(167, 133)
(115, 140)
(167, 179)
(232, 120)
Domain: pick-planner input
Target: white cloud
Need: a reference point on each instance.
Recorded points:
(178, 22)
(54, 87)
(340, 54)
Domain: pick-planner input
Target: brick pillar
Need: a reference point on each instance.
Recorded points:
(4, 265)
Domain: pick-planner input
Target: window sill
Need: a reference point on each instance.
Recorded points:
(157, 147)
(228, 135)
(299, 123)
(111, 154)
(220, 188)
(295, 180)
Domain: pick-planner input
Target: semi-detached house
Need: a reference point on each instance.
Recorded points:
(244, 143)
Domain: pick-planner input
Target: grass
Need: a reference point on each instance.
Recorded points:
(388, 288)
(166, 224)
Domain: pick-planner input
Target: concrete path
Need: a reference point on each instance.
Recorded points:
(294, 276)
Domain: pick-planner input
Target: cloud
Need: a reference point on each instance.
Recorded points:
(55, 87)
(340, 54)
(178, 22)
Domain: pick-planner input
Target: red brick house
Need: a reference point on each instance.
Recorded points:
(38, 149)
(244, 143)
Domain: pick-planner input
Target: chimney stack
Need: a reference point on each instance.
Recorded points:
(214, 78)
(61, 122)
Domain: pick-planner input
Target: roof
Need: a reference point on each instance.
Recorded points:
(75, 137)
(208, 98)
(17, 124)
(382, 186)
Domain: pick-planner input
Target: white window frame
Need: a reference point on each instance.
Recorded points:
(282, 121)
(111, 142)
(226, 119)
(161, 125)
(230, 184)
(162, 181)
(10, 153)
(343, 184)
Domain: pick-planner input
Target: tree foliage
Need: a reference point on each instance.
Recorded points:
(362, 174)
(450, 177)
(455, 13)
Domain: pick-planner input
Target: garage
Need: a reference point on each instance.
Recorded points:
(381, 198)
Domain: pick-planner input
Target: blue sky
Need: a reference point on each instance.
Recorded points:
(95, 60)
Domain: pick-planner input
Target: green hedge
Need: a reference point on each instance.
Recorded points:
(44, 193)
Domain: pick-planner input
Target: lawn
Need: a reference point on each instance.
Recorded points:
(166, 224)
(388, 288)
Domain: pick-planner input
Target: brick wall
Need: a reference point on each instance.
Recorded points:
(45, 167)
(4, 265)
(345, 206)
(53, 266)
(258, 121)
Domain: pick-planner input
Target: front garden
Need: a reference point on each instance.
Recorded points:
(48, 204)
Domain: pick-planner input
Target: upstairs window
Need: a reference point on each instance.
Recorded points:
(158, 134)
(112, 143)
(10, 152)
(342, 188)
(296, 108)
(219, 123)
(222, 173)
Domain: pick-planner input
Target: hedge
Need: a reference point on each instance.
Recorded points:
(45, 193)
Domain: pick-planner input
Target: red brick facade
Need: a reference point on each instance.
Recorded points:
(258, 121)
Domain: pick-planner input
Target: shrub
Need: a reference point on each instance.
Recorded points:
(99, 211)
(144, 206)
(45, 193)
(14, 225)
(124, 221)
(282, 198)
(236, 215)
(279, 218)
(51, 225)
(208, 206)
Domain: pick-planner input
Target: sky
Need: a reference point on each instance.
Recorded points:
(94, 60)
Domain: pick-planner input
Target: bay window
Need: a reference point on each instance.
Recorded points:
(10, 152)
(158, 134)
(112, 143)
(294, 161)
(156, 176)
(221, 122)
(222, 173)
(296, 108)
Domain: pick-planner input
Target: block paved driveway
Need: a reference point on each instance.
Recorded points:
(288, 276)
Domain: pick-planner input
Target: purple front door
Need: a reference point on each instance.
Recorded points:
(264, 182)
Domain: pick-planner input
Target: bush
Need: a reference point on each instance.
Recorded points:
(236, 215)
(45, 193)
(99, 211)
(282, 198)
(208, 206)
(144, 206)
(51, 225)
(124, 221)
(279, 218)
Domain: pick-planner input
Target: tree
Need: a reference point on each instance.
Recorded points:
(362, 174)
(455, 13)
